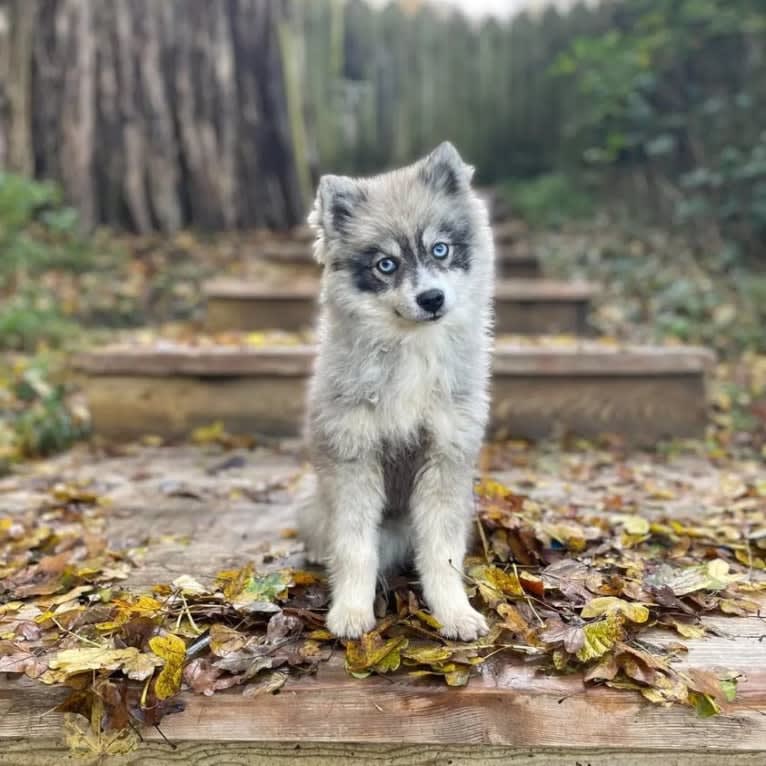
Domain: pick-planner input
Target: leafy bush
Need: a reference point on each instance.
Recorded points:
(656, 287)
(38, 416)
(548, 200)
(674, 97)
(38, 236)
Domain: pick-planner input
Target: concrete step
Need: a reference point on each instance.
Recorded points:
(642, 394)
(531, 306)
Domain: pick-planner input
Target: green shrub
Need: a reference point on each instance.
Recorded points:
(38, 236)
(548, 200)
(37, 416)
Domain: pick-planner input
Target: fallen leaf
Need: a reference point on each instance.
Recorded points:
(606, 604)
(172, 650)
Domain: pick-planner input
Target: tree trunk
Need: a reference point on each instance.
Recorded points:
(21, 18)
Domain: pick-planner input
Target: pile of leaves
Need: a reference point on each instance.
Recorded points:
(576, 590)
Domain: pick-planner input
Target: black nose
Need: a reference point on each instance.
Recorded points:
(431, 300)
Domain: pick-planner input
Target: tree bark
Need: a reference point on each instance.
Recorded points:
(22, 16)
(159, 114)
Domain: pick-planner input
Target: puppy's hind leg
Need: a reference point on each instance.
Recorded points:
(312, 513)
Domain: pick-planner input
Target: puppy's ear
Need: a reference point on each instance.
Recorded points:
(444, 170)
(336, 200)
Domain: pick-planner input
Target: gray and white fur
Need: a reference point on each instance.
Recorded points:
(399, 399)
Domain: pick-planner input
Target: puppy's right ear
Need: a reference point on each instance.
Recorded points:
(336, 200)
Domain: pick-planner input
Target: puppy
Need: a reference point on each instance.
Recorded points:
(399, 398)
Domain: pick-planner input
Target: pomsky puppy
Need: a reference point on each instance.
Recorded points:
(399, 399)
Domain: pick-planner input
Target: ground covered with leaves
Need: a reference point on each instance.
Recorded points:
(116, 583)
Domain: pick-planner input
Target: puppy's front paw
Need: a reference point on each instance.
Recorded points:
(466, 624)
(350, 622)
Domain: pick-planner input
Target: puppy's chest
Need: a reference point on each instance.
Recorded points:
(404, 390)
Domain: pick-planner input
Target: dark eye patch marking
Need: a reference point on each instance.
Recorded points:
(460, 237)
(364, 274)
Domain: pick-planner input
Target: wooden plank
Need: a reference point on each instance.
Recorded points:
(511, 265)
(128, 407)
(522, 306)
(511, 358)
(510, 711)
(588, 358)
(543, 291)
(644, 395)
(48, 752)
(217, 361)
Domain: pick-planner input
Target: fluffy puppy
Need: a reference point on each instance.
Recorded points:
(399, 398)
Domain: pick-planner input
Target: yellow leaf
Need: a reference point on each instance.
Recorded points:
(428, 619)
(635, 612)
(667, 691)
(172, 650)
(492, 490)
(427, 655)
(189, 586)
(601, 636)
(688, 631)
(718, 575)
(225, 640)
(494, 584)
(458, 677)
(70, 662)
(635, 525)
(371, 651)
(210, 434)
(749, 560)
(140, 667)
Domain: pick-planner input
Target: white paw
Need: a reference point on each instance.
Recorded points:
(467, 624)
(350, 622)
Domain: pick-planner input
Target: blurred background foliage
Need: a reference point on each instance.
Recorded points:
(631, 136)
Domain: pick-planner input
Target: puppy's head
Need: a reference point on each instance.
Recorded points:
(402, 248)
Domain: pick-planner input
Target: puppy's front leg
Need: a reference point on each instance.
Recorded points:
(442, 509)
(358, 500)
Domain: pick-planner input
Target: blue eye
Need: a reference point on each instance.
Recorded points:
(440, 250)
(387, 265)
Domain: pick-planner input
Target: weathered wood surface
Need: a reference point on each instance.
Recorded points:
(522, 306)
(198, 518)
(46, 752)
(641, 394)
(253, 306)
(572, 360)
(158, 115)
(128, 407)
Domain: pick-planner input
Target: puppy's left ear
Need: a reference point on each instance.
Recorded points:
(445, 171)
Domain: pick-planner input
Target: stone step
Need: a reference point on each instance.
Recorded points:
(513, 260)
(532, 306)
(642, 394)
